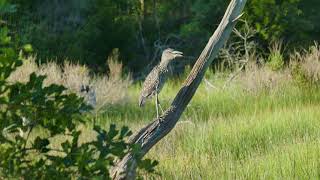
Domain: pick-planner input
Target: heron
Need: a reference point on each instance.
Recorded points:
(157, 77)
(89, 93)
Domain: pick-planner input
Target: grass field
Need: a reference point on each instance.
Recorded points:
(234, 134)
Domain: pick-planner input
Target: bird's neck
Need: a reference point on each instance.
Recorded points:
(164, 65)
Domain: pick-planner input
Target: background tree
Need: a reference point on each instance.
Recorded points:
(88, 30)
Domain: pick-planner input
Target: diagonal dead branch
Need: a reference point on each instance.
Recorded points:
(152, 133)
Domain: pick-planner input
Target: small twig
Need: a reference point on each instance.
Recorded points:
(210, 84)
(235, 19)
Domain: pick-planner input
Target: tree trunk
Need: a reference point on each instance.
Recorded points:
(151, 134)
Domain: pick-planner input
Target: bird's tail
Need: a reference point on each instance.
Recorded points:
(142, 101)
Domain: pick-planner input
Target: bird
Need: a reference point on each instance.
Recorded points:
(157, 77)
(89, 94)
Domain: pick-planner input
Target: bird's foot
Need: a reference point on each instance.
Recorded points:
(159, 120)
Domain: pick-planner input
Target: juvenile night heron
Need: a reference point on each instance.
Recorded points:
(157, 77)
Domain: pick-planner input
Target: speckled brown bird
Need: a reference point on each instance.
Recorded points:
(157, 77)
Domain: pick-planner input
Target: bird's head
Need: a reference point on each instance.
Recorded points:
(170, 54)
(84, 88)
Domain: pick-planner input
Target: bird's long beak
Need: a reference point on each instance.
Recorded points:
(177, 54)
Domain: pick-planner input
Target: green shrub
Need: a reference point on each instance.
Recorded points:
(299, 76)
(275, 58)
(275, 61)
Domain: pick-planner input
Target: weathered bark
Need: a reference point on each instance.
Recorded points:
(151, 134)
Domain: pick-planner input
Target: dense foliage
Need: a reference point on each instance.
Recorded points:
(88, 30)
(35, 118)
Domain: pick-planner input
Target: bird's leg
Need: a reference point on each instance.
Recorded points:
(160, 105)
(157, 105)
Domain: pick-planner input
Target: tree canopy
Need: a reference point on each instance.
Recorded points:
(88, 30)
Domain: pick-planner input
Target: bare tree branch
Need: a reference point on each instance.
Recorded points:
(151, 134)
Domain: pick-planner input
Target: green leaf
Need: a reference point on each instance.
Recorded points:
(125, 132)
(113, 132)
(66, 146)
(41, 144)
(28, 48)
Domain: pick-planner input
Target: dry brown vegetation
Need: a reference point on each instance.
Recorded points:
(309, 61)
(273, 74)
(255, 79)
(112, 89)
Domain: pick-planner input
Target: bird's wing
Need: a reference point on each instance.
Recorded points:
(149, 86)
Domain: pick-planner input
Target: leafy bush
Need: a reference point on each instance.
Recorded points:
(294, 20)
(33, 115)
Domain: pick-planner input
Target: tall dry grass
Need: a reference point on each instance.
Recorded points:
(112, 89)
(52, 71)
(309, 62)
(272, 74)
(253, 72)
(262, 78)
(75, 75)
(115, 86)
(22, 73)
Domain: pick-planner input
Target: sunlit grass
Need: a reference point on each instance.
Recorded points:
(273, 144)
(234, 134)
(230, 133)
(211, 103)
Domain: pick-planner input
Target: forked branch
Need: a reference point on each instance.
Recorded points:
(151, 134)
